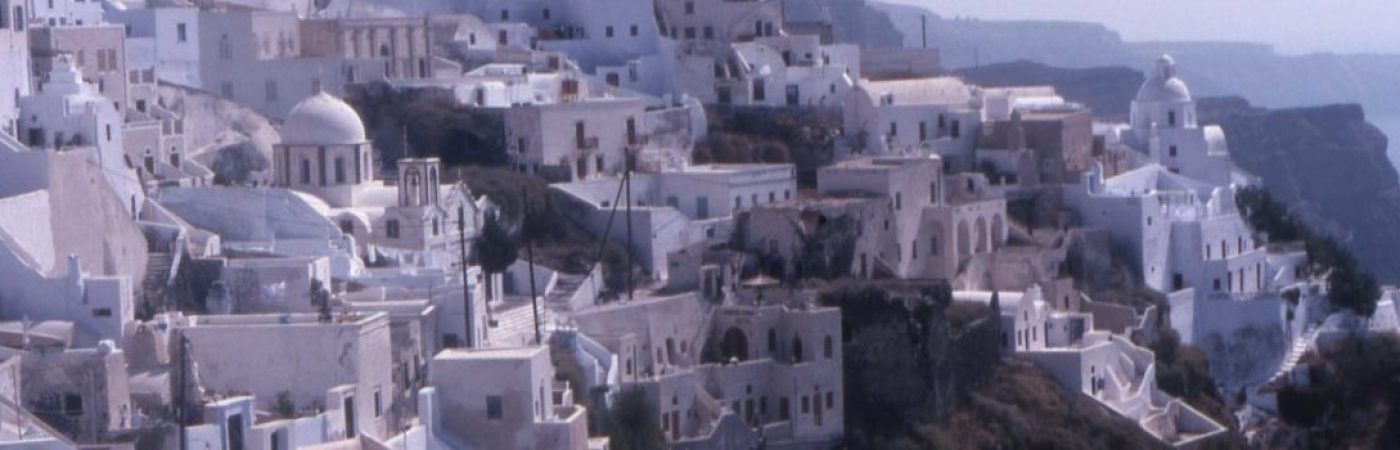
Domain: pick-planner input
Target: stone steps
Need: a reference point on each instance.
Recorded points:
(1300, 347)
(514, 323)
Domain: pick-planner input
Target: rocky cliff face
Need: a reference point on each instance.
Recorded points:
(1329, 166)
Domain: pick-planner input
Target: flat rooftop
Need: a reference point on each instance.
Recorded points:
(490, 353)
(256, 320)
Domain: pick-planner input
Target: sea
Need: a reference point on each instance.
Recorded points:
(1390, 125)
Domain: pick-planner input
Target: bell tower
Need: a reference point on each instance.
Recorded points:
(418, 181)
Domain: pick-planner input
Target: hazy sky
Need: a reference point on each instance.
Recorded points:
(1293, 26)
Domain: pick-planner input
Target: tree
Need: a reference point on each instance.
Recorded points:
(496, 248)
(321, 299)
(284, 406)
(1348, 285)
(634, 425)
(234, 164)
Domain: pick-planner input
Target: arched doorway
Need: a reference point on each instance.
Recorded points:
(981, 235)
(964, 241)
(998, 231)
(734, 345)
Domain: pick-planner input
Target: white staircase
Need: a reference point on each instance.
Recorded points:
(514, 323)
(564, 288)
(1301, 344)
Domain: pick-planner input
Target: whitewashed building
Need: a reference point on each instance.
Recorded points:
(513, 401)
(1163, 126)
(14, 74)
(920, 117)
(672, 210)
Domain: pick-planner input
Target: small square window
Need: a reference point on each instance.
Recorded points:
(494, 407)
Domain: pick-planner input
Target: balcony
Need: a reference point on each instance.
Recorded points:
(587, 143)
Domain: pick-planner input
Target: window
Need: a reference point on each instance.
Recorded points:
(608, 31)
(898, 200)
(72, 404)
(378, 404)
(546, 14)
(271, 90)
(690, 32)
(806, 405)
(933, 246)
(1171, 118)
(784, 409)
(391, 228)
(894, 129)
(956, 130)
(494, 408)
(225, 48)
(226, 90)
(305, 171)
(1171, 151)
(102, 312)
(709, 32)
(758, 92)
(505, 15)
(830, 399)
(690, 7)
(923, 131)
(180, 33)
(634, 30)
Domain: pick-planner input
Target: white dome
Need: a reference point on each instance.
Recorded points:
(323, 119)
(1162, 84)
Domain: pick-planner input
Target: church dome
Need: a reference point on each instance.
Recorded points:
(323, 119)
(1162, 84)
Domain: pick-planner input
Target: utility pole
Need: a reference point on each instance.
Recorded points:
(180, 406)
(470, 340)
(923, 28)
(627, 179)
(530, 257)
